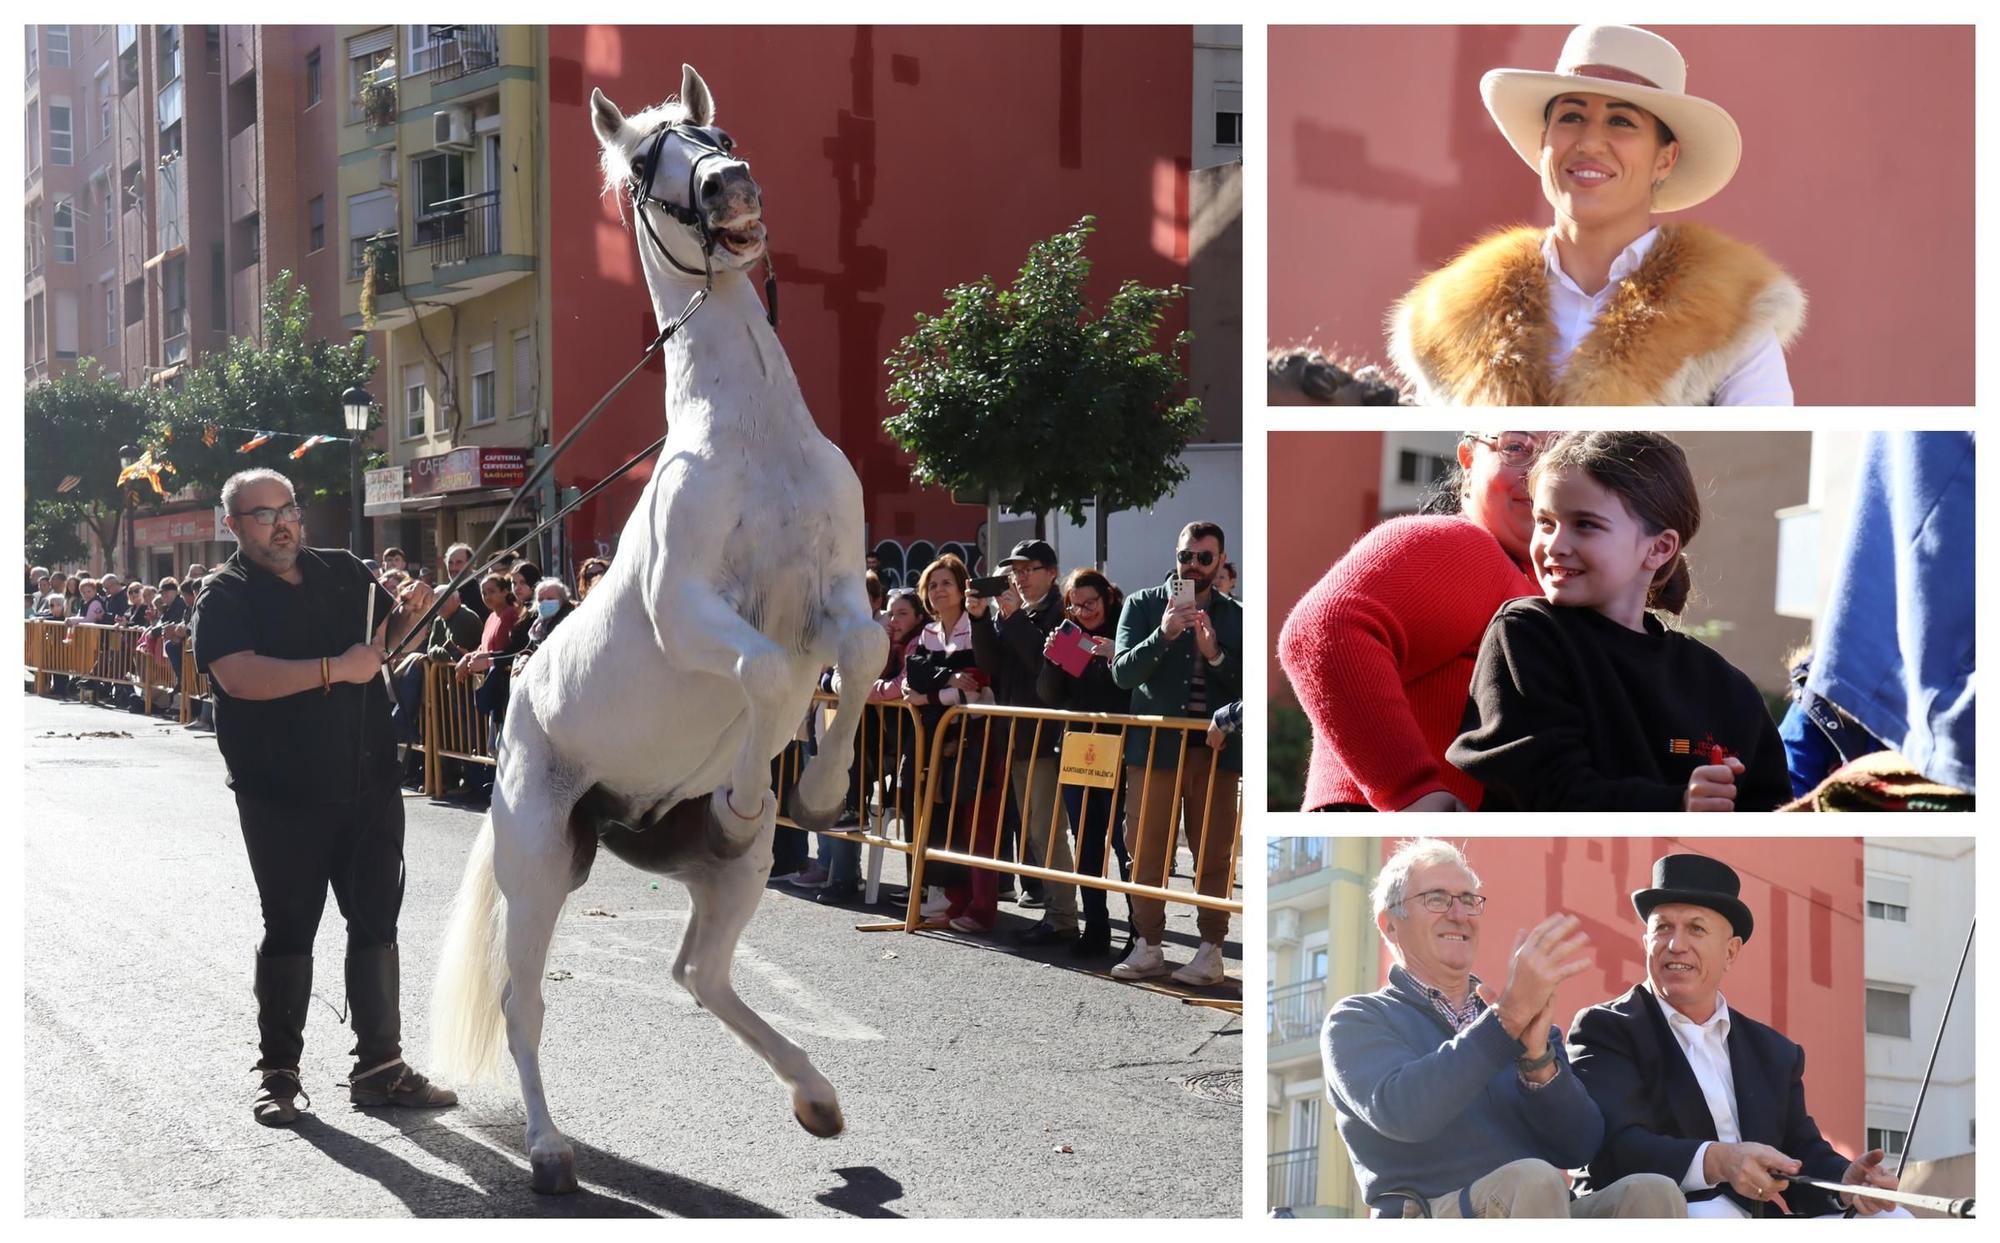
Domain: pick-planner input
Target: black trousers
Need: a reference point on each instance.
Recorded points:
(299, 851)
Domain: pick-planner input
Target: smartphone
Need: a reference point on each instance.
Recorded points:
(991, 585)
(1183, 592)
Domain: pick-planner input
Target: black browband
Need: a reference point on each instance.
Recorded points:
(715, 145)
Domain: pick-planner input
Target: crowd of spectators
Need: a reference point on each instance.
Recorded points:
(157, 611)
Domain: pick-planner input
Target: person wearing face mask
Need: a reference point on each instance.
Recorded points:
(1696, 1091)
(552, 604)
(1607, 307)
(1455, 1098)
(1380, 650)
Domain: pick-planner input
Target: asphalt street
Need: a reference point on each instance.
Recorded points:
(976, 1080)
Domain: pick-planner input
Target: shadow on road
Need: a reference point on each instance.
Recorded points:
(865, 1193)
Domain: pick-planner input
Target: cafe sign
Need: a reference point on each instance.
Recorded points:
(384, 491)
(473, 468)
(194, 527)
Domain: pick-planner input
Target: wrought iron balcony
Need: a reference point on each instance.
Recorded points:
(1288, 858)
(388, 261)
(1292, 1178)
(1296, 1011)
(468, 50)
(463, 228)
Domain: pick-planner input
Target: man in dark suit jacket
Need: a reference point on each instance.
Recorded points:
(1694, 1090)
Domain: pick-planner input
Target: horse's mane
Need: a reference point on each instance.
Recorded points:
(616, 165)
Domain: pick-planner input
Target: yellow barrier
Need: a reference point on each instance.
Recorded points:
(453, 726)
(1008, 747)
(194, 684)
(88, 652)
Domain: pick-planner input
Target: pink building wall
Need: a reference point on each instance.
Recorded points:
(1857, 176)
(1325, 493)
(1801, 971)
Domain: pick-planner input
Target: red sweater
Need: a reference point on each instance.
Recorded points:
(1380, 653)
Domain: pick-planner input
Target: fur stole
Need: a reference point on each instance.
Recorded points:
(1476, 332)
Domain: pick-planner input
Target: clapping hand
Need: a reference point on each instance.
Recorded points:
(1544, 956)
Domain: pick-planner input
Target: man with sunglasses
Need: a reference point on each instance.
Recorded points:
(302, 717)
(1455, 1100)
(1181, 659)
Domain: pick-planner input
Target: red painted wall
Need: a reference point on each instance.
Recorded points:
(895, 162)
(1800, 972)
(1324, 494)
(1384, 164)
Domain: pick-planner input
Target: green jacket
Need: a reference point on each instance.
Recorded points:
(1157, 672)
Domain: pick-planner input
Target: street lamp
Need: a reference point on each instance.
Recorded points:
(127, 454)
(355, 405)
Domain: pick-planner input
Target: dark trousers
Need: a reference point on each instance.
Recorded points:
(1097, 815)
(299, 851)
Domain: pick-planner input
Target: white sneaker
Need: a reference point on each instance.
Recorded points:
(1206, 967)
(935, 903)
(1143, 963)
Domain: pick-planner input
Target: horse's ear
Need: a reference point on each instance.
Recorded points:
(695, 97)
(605, 119)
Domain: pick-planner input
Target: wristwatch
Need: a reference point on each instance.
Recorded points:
(1529, 1065)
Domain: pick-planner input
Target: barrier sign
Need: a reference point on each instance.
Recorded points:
(1092, 760)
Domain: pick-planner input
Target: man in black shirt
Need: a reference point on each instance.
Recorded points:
(302, 717)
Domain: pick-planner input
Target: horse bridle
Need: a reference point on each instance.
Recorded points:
(713, 144)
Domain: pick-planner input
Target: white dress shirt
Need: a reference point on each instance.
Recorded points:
(1759, 380)
(1707, 1049)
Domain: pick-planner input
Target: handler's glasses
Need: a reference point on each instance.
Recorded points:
(268, 515)
(1514, 448)
(1438, 901)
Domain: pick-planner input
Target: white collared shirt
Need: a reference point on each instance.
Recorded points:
(1759, 380)
(1707, 1049)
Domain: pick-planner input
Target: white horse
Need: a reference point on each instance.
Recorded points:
(650, 718)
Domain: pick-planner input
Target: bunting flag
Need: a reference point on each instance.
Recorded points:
(209, 435)
(149, 470)
(310, 443)
(68, 482)
(254, 442)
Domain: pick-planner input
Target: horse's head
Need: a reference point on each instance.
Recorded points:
(684, 181)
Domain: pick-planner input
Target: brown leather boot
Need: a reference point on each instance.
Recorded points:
(381, 1076)
(277, 1091)
(283, 987)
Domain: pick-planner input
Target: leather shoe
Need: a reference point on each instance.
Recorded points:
(1045, 933)
(398, 1084)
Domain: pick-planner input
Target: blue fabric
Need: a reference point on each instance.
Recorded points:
(1895, 649)
(1422, 1108)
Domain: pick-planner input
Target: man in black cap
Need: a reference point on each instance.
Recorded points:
(1008, 635)
(291, 639)
(1695, 1091)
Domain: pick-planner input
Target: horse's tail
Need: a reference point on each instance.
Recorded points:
(468, 1029)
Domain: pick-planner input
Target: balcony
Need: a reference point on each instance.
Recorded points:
(174, 331)
(245, 318)
(131, 135)
(239, 52)
(388, 261)
(469, 50)
(467, 228)
(170, 206)
(1291, 1178)
(132, 249)
(1296, 1011)
(1289, 858)
(244, 198)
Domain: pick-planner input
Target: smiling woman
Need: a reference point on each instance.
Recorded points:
(1606, 307)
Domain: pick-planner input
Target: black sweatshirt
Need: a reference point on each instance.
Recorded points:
(1570, 711)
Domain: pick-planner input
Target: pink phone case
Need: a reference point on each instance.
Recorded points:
(1070, 652)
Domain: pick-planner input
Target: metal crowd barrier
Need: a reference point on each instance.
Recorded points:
(93, 652)
(975, 747)
(452, 726)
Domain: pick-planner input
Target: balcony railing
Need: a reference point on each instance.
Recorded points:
(1292, 1178)
(388, 266)
(466, 228)
(469, 50)
(1291, 857)
(1296, 1011)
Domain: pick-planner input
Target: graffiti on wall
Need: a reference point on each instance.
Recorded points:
(899, 564)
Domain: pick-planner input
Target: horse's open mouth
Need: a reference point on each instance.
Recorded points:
(742, 241)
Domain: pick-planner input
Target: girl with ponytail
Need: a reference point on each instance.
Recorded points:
(1583, 700)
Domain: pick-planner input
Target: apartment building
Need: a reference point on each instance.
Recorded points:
(441, 219)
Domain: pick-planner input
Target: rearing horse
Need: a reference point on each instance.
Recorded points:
(650, 718)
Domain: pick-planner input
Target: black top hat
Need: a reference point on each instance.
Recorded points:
(1698, 881)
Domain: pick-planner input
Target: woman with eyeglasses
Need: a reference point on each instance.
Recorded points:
(1380, 651)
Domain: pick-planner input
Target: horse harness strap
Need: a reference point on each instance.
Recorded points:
(714, 145)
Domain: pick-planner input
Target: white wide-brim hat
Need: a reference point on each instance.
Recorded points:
(1638, 67)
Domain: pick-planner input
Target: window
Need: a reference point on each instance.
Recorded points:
(62, 140)
(105, 103)
(33, 63)
(58, 37)
(1420, 469)
(313, 88)
(372, 53)
(440, 179)
(34, 137)
(316, 224)
(368, 215)
(107, 207)
(1891, 1142)
(66, 323)
(1888, 1010)
(1229, 114)
(35, 245)
(110, 312)
(524, 373)
(413, 401)
(65, 233)
(1888, 898)
(482, 384)
(173, 300)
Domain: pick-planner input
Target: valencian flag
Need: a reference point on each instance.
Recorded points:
(149, 470)
(310, 443)
(253, 442)
(209, 435)
(68, 482)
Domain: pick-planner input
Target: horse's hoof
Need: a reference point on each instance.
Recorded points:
(821, 1118)
(554, 1175)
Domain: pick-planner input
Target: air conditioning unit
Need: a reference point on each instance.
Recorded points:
(451, 129)
(1284, 927)
(390, 167)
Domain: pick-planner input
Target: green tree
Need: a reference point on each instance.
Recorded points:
(51, 533)
(1023, 392)
(75, 425)
(291, 383)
